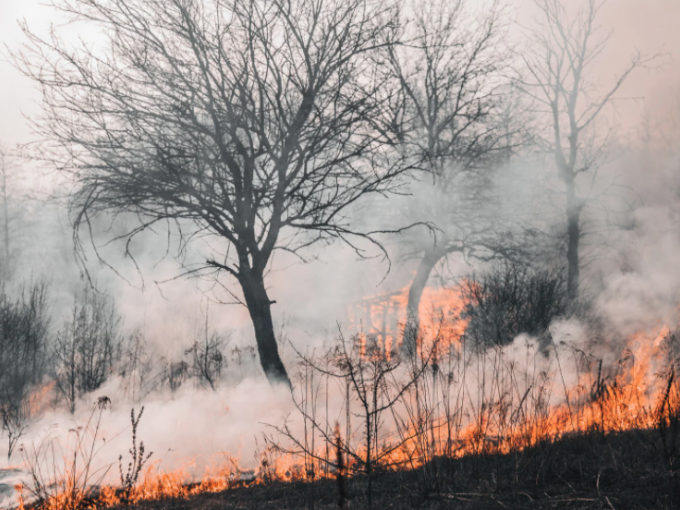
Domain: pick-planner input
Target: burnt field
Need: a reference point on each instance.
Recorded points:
(624, 470)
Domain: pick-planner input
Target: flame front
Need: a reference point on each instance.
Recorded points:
(467, 401)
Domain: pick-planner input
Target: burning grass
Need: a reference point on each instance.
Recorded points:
(578, 471)
(545, 424)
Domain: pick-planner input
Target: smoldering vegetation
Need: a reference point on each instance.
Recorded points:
(338, 253)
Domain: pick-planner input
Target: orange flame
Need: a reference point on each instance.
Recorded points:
(505, 406)
(385, 315)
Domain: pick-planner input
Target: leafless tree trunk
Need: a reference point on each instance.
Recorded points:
(254, 122)
(562, 52)
(574, 208)
(451, 118)
(415, 292)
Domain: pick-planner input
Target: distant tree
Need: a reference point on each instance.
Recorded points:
(13, 213)
(562, 53)
(207, 359)
(87, 348)
(4, 170)
(24, 356)
(253, 121)
(453, 116)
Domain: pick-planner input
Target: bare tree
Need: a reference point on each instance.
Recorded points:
(87, 348)
(14, 214)
(252, 121)
(4, 170)
(452, 115)
(24, 359)
(373, 376)
(207, 356)
(207, 360)
(140, 368)
(563, 52)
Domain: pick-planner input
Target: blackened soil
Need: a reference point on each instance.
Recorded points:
(591, 471)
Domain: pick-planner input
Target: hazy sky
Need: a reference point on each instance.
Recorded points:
(648, 25)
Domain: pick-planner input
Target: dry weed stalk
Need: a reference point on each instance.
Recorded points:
(128, 480)
(62, 477)
(373, 377)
